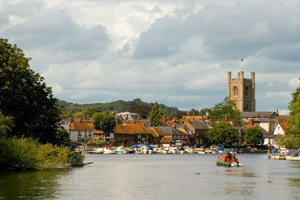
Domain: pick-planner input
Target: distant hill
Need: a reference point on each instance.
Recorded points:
(78, 110)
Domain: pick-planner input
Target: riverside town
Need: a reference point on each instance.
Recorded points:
(241, 142)
(189, 133)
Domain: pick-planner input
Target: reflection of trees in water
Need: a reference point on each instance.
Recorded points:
(30, 184)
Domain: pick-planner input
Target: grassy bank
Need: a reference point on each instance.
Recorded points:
(26, 153)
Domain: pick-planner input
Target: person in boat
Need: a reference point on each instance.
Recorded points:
(228, 157)
(234, 159)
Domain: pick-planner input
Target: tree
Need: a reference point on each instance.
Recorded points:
(104, 122)
(294, 116)
(227, 107)
(178, 114)
(292, 138)
(223, 133)
(254, 136)
(5, 124)
(141, 109)
(25, 97)
(155, 116)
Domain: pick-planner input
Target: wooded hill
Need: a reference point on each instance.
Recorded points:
(78, 110)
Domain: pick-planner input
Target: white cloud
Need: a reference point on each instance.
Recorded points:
(294, 83)
(175, 52)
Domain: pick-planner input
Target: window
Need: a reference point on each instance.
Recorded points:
(235, 91)
(247, 91)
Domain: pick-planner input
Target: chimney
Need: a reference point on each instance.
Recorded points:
(269, 131)
(207, 116)
(258, 115)
(251, 121)
(189, 113)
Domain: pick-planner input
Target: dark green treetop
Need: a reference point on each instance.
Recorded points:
(25, 97)
(254, 136)
(155, 116)
(223, 133)
(104, 122)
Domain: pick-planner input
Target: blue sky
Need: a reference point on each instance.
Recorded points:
(173, 52)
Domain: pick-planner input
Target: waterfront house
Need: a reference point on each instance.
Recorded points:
(131, 133)
(79, 130)
(198, 131)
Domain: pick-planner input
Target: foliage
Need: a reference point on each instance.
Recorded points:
(26, 153)
(141, 109)
(25, 97)
(254, 136)
(194, 111)
(5, 124)
(178, 114)
(63, 137)
(104, 122)
(155, 116)
(294, 116)
(143, 137)
(223, 133)
(76, 159)
(289, 141)
(80, 110)
(223, 109)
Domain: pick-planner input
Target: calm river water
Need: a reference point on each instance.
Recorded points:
(159, 177)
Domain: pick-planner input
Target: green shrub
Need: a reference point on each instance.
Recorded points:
(26, 153)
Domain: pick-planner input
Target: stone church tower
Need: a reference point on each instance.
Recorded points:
(242, 91)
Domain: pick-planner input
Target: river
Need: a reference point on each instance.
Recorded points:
(188, 176)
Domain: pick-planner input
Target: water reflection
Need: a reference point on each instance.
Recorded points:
(30, 184)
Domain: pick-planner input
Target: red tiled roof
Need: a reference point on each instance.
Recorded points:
(130, 128)
(183, 130)
(166, 139)
(283, 126)
(80, 126)
(158, 131)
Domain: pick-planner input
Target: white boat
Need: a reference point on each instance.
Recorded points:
(199, 151)
(293, 155)
(108, 150)
(188, 150)
(172, 150)
(120, 150)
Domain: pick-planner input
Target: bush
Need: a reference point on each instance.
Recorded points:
(26, 153)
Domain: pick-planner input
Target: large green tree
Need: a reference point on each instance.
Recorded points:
(104, 122)
(292, 138)
(227, 107)
(25, 97)
(294, 117)
(254, 136)
(223, 109)
(142, 109)
(155, 116)
(223, 133)
(6, 123)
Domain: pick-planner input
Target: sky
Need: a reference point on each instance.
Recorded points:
(173, 52)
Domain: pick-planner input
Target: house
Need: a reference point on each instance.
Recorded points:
(127, 116)
(267, 126)
(79, 130)
(131, 133)
(253, 115)
(65, 122)
(198, 131)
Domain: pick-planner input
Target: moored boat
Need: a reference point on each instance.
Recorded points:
(228, 159)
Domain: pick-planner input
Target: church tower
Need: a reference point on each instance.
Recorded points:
(242, 91)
